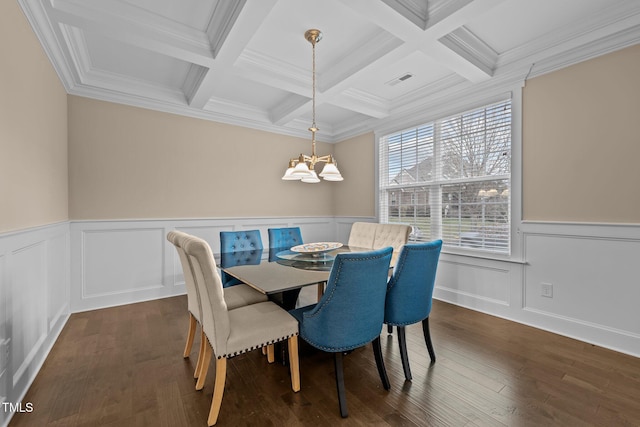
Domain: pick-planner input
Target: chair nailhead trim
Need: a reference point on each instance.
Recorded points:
(255, 347)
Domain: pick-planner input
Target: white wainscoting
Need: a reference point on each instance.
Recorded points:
(50, 271)
(120, 262)
(34, 304)
(594, 271)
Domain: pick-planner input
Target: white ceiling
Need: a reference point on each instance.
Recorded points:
(246, 62)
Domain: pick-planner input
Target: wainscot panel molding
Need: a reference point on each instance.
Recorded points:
(34, 304)
(122, 262)
(592, 270)
(48, 272)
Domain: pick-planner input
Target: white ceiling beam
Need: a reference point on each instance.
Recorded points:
(344, 74)
(134, 26)
(427, 41)
(362, 102)
(264, 69)
(291, 108)
(237, 38)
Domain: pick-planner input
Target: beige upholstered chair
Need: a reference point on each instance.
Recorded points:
(377, 236)
(394, 235)
(362, 235)
(233, 332)
(236, 296)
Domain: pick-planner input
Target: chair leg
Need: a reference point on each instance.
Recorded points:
(382, 371)
(402, 342)
(294, 364)
(201, 351)
(320, 290)
(342, 399)
(193, 324)
(218, 390)
(427, 339)
(271, 354)
(202, 375)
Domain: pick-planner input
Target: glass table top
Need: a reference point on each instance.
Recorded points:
(270, 270)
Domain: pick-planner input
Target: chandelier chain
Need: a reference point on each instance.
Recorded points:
(302, 168)
(313, 84)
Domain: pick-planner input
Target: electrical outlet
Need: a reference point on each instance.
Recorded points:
(546, 290)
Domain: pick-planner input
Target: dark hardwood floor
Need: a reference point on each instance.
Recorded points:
(123, 366)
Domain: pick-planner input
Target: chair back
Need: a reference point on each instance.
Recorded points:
(193, 296)
(245, 240)
(394, 235)
(362, 235)
(231, 259)
(285, 237)
(410, 289)
(215, 316)
(350, 314)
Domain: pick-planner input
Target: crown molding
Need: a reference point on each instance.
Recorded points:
(415, 11)
(584, 36)
(471, 48)
(45, 31)
(618, 26)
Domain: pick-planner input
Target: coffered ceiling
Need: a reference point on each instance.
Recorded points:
(246, 62)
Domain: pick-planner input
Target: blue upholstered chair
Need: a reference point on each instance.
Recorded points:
(410, 292)
(285, 237)
(247, 247)
(350, 314)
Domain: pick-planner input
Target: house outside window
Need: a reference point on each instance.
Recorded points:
(450, 179)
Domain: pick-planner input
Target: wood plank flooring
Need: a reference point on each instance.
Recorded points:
(123, 366)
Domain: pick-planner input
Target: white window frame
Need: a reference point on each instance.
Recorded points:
(457, 106)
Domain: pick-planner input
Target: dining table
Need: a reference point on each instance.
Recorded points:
(280, 273)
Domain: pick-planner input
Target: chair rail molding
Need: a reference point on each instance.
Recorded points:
(590, 269)
(50, 271)
(125, 261)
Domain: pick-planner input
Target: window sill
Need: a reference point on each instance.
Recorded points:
(483, 255)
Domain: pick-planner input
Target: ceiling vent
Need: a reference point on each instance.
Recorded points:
(399, 79)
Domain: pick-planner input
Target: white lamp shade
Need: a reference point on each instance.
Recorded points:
(301, 170)
(288, 175)
(333, 177)
(312, 179)
(330, 169)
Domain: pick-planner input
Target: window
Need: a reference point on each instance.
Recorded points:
(450, 179)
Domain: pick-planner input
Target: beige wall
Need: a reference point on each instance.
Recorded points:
(33, 129)
(580, 148)
(581, 142)
(355, 196)
(127, 162)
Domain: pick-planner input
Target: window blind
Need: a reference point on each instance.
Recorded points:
(450, 179)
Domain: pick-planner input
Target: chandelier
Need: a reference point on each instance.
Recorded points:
(303, 168)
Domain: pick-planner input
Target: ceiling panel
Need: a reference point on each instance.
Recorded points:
(247, 62)
(386, 84)
(114, 56)
(529, 20)
(192, 13)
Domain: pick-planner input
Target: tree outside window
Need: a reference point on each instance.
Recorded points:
(450, 179)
